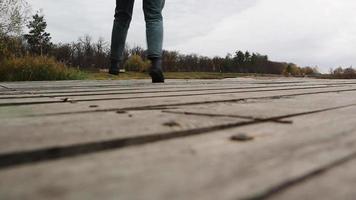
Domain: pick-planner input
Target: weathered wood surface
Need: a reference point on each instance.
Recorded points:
(135, 140)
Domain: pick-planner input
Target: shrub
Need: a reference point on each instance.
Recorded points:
(39, 68)
(136, 63)
(11, 46)
(347, 73)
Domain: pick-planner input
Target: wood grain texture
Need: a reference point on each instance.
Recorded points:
(173, 141)
(335, 183)
(202, 167)
(71, 107)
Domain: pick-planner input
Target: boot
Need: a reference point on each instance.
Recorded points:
(155, 71)
(114, 67)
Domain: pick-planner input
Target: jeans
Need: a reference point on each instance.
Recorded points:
(154, 27)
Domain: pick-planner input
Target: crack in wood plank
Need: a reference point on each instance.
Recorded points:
(225, 115)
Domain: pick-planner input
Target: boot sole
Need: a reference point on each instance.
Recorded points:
(114, 72)
(157, 77)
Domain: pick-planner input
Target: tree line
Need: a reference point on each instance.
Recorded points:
(91, 55)
(344, 73)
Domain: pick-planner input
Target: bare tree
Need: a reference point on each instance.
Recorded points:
(13, 16)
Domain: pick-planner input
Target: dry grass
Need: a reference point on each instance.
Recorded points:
(37, 68)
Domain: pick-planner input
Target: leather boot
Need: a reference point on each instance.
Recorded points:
(155, 71)
(114, 67)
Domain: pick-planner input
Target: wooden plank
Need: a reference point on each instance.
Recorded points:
(115, 87)
(145, 83)
(267, 108)
(101, 83)
(122, 90)
(201, 167)
(54, 99)
(331, 183)
(148, 89)
(104, 84)
(31, 134)
(117, 103)
(24, 134)
(74, 88)
(61, 91)
(4, 89)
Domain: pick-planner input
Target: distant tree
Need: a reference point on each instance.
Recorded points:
(38, 38)
(349, 70)
(87, 45)
(307, 71)
(11, 46)
(88, 51)
(136, 63)
(13, 16)
(247, 56)
(218, 64)
(63, 53)
(349, 73)
(101, 50)
(137, 50)
(289, 70)
(170, 60)
(254, 58)
(338, 71)
(228, 63)
(292, 69)
(240, 57)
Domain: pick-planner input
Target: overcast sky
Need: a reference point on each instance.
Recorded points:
(306, 32)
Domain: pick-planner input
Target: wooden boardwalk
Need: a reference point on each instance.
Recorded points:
(197, 140)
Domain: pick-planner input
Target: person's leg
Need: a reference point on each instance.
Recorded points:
(154, 27)
(123, 15)
(154, 33)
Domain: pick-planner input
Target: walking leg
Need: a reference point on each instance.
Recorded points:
(123, 16)
(154, 33)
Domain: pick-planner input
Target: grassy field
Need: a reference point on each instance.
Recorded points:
(170, 75)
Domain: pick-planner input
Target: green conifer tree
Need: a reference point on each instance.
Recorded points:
(38, 39)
